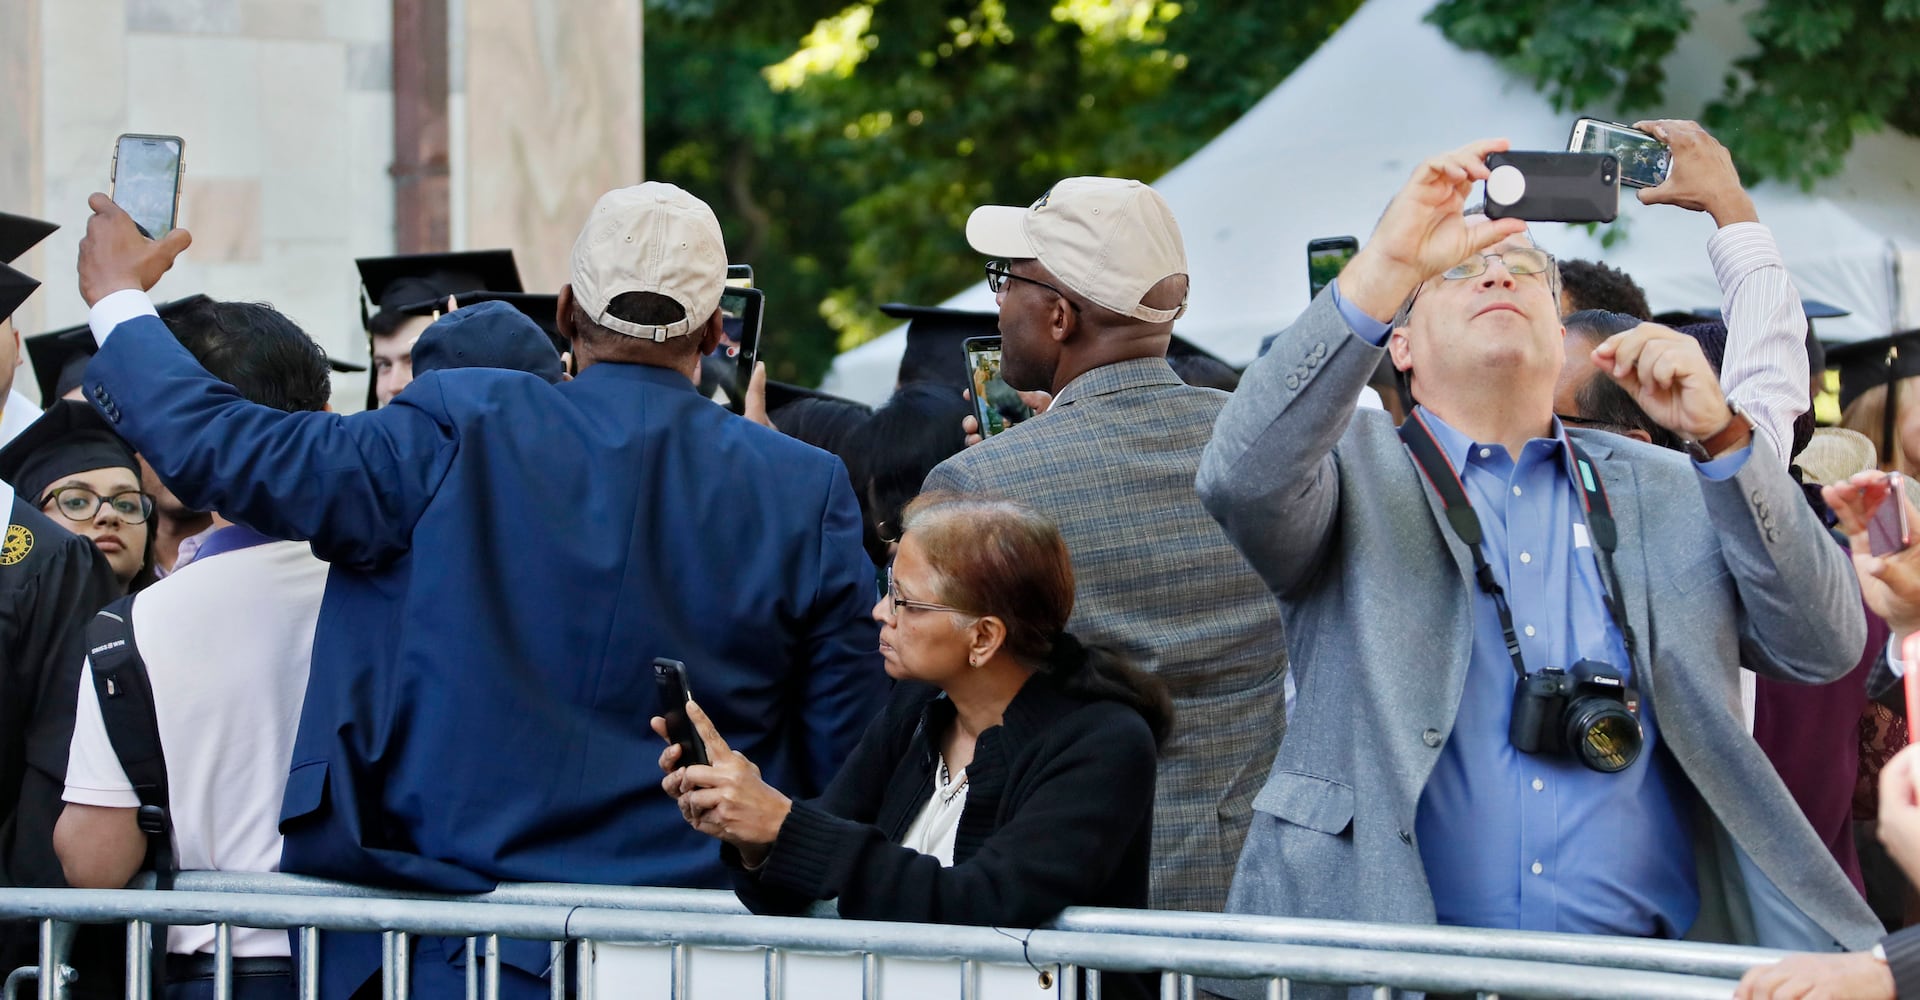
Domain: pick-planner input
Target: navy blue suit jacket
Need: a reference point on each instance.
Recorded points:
(509, 558)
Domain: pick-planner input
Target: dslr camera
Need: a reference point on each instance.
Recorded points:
(1589, 714)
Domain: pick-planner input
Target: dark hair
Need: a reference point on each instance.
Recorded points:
(1205, 372)
(1712, 336)
(1001, 558)
(1593, 285)
(828, 424)
(1601, 400)
(645, 309)
(917, 429)
(256, 349)
(385, 322)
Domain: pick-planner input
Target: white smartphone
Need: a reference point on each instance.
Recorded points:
(1644, 160)
(146, 180)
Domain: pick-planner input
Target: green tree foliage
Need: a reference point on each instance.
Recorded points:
(1822, 73)
(843, 143)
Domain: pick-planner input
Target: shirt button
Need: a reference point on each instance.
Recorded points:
(1538, 868)
(1516, 491)
(1529, 631)
(1431, 737)
(1539, 786)
(1486, 453)
(1526, 557)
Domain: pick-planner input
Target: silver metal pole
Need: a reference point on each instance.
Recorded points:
(493, 967)
(1069, 982)
(138, 972)
(309, 963)
(1186, 988)
(1093, 984)
(473, 969)
(775, 961)
(869, 976)
(1169, 986)
(677, 972)
(222, 961)
(1382, 993)
(969, 980)
(557, 971)
(1279, 989)
(584, 958)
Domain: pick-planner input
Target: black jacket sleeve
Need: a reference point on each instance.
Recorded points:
(1903, 957)
(1062, 841)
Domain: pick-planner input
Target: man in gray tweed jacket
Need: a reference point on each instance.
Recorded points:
(1092, 277)
(1400, 794)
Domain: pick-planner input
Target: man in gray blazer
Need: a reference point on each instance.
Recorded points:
(1400, 794)
(1092, 277)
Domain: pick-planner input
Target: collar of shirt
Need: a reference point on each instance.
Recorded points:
(1463, 451)
(1132, 373)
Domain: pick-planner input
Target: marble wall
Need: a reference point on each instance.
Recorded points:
(548, 115)
(20, 132)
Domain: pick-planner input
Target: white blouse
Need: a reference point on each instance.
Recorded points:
(934, 829)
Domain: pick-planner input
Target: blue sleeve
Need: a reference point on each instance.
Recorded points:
(846, 682)
(1726, 465)
(1363, 326)
(352, 485)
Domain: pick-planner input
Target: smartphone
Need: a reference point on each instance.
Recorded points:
(670, 679)
(1890, 530)
(729, 368)
(1553, 187)
(995, 405)
(740, 275)
(1644, 160)
(1325, 257)
(146, 180)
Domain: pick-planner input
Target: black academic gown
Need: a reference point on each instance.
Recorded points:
(51, 583)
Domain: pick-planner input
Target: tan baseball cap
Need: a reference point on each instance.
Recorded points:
(651, 237)
(1109, 239)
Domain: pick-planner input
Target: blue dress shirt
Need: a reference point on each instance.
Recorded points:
(1535, 841)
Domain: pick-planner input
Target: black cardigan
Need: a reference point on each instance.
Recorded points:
(1059, 813)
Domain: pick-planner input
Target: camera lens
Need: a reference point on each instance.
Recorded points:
(1603, 734)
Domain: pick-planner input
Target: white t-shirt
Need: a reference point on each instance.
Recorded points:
(227, 642)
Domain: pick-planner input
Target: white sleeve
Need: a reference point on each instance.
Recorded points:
(1764, 372)
(116, 309)
(94, 774)
(1895, 664)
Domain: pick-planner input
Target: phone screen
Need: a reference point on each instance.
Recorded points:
(1644, 160)
(725, 372)
(1325, 258)
(995, 404)
(146, 180)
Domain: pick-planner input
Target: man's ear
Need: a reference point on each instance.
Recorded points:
(1065, 320)
(1400, 349)
(1639, 435)
(563, 313)
(710, 335)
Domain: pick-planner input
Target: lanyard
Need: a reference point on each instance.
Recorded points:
(1466, 524)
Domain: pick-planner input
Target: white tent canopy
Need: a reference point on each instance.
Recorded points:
(1322, 154)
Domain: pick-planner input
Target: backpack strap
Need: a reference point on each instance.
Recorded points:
(125, 692)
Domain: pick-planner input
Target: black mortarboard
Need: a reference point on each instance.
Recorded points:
(393, 283)
(934, 334)
(780, 394)
(60, 359)
(1198, 366)
(544, 310)
(70, 437)
(18, 234)
(1868, 363)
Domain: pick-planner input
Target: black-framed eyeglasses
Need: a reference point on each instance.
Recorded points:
(999, 272)
(895, 602)
(77, 503)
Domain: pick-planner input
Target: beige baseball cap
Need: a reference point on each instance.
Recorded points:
(1109, 239)
(652, 237)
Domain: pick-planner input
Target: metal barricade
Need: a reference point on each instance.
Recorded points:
(686, 941)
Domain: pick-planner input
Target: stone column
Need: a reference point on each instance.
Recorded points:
(20, 137)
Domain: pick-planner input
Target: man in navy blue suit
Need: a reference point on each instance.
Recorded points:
(509, 557)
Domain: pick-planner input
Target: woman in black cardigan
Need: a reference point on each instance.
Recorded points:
(1011, 774)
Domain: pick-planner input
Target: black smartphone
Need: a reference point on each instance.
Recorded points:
(727, 371)
(146, 180)
(740, 275)
(1644, 160)
(1325, 257)
(1553, 187)
(670, 679)
(1890, 529)
(995, 405)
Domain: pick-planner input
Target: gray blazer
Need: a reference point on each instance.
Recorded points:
(1332, 511)
(1113, 463)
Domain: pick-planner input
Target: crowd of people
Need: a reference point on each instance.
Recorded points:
(1483, 598)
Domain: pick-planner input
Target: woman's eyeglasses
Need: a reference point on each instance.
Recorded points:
(77, 503)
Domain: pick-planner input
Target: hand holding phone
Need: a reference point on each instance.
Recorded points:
(670, 680)
(1325, 257)
(1644, 157)
(146, 180)
(1553, 187)
(996, 406)
(1891, 530)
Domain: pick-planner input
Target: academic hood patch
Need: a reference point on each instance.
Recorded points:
(19, 542)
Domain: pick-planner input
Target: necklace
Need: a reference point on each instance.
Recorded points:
(950, 785)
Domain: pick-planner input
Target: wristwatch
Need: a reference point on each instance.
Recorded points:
(1737, 428)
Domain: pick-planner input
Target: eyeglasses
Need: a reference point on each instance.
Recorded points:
(895, 602)
(77, 503)
(1517, 261)
(1000, 271)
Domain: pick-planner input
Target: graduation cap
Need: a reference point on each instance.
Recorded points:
(18, 234)
(70, 437)
(489, 334)
(543, 310)
(60, 360)
(394, 283)
(1198, 366)
(934, 334)
(1880, 361)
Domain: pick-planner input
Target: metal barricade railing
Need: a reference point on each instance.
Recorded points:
(1178, 946)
